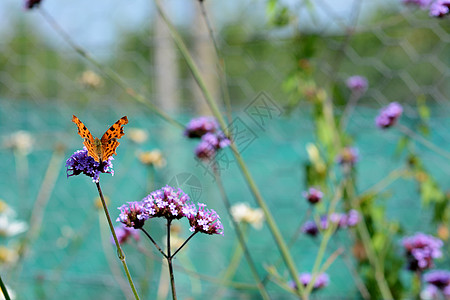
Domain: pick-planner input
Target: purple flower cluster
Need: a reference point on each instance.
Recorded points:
(166, 202)
(437, 8)
(389, 115)
(357, 83)
(198, 127)
(321, 281)
(421, 250)
(170, 203)
(81, 163)
(438, 282)
(124, 232)
(351, 219)
(133, 214)
(212, 139)
(440, 8)
(203, 219)
(348, 156)
(313, 195)
(29, 4)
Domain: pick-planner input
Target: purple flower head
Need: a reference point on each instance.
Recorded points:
(389, 115)
(310, 228)
(166, 202)
(198, 127)
(210, 144)
(339, 219)
(421, 249)
(352, 218)
(123, 233)
(321, 281)
(440, 8)
(357, 83)
(313, 195)
(423, 4)
(348, 156)
(133, 214)
(438, 278)
(80, 162)
(446, 292)
(203, 220)
(29, 4)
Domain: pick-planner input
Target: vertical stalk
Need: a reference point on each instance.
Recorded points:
(240, 237)
(169, 261)
(251, 183)
(120, 252)
(4, 290)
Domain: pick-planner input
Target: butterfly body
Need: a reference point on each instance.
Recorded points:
(101, 149)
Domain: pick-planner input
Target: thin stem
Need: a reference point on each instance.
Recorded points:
(423, 141)
(240, 236)
(154, 243)
(4, 290)
(368, 247)
(185, 242)
(169, 261)
(106, 71)
(326, 237)
(251, 183)
(120, 252)
(220, 61)
(349, 108)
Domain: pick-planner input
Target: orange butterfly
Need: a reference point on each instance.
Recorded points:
(104, 148)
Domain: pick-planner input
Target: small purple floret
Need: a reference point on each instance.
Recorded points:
(389, 115)
(81, 163)
(123, 234)
(29, 4)
(421, 249)
(203, 220)
(313, 195)
(357, 83)
(166, 202)
(133, 214)
(440, 8)
(321, 281)
(198, 127)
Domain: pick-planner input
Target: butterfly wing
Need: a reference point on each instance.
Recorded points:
(87, 136)
(110, 138)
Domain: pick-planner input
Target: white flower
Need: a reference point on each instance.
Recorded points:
(242, 212)
(10, 227)
(20, 140)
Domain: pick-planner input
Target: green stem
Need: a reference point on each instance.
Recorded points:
(251, 183)
(169, 261)
(120, 252)
(154, 243)
(240, 236)
(368, 247)
(4, 290)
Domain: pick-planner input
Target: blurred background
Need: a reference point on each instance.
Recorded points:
(404, 54)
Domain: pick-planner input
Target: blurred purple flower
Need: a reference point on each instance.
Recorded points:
(321, 281)
(203, 220)
(198, 127)
(421, 249)
(133, 214)
(353, 218)
(29, 4)
(348, 156)
(123, 233)
(81, 162)
(210, 144)
(166, 202)
(421, 3)
(438, 278)
(357, 83)
(313, 195)
(389, 115)
(310, 228)
(440, 8)
(430, 292)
